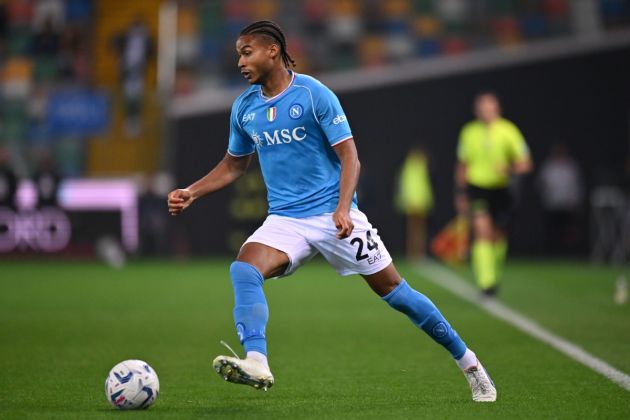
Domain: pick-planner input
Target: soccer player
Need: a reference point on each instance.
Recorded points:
(310, 166)
(490, 150)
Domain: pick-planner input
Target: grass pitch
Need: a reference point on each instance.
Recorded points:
(336, 350)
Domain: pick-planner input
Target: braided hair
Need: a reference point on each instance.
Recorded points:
(273, 31)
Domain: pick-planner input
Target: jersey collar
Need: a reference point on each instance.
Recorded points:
(264, 98)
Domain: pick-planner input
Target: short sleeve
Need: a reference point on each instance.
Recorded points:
(331, 117)
(240, 144)
(518, 147)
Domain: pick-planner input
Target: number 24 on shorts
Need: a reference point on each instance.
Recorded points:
(371, 245)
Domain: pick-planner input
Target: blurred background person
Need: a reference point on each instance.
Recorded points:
(490, 150)
(155, 238)
(46, 42)
(415, 199)
(134, 47)
(560, 184)
(47, 180)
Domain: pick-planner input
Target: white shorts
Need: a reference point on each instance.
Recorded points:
(362, 252)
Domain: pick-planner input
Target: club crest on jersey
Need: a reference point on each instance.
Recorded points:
(296, 111)
(272, 113)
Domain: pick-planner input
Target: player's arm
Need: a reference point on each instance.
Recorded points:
(227, 171)
(460, 176)
(350, 168)
(521, 157)
(522, 166)
(461, 198)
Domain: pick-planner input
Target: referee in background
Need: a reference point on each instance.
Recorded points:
(491, 149)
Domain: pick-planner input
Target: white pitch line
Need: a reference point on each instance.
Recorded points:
(450, 281)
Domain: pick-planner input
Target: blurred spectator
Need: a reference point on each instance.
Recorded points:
(344, 30)
(454, 14)
(78, 11)
(48, 13)
(187, 34)
(74, 56)
(154, 223)
(561, 192)
(43, 43)
(557, 15)
(345, 34)
(17, 78)
(585, 19)
(264, 9)
(16, 86)
(46, 40)
(20, 13)
(8, 181)
(134, 47)
(399, 43)
(415, 200)
(47, 180)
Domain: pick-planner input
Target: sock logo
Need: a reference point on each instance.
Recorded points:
(439, 330)
(240, 331)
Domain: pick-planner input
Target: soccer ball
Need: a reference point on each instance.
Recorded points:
(132, 384)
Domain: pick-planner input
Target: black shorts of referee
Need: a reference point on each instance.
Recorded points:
(496, 201)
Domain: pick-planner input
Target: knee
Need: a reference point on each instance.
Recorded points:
(385, 281)
(244, 273)
(482, 226)
(388, 286)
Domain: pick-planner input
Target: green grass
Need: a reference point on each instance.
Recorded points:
(336, 350)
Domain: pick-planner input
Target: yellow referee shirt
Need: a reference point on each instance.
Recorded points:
(488, 151)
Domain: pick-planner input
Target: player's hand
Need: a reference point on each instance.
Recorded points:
(178, 201)
(343, 222)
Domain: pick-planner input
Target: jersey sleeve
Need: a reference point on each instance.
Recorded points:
(239, 144)
(518, 147)
(331, 117)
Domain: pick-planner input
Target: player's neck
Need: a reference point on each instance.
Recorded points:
(278, 80)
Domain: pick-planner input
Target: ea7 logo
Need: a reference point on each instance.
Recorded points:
(339, 119)
(249, 117)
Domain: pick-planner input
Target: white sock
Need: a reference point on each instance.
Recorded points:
(469, 359)
(259, 357)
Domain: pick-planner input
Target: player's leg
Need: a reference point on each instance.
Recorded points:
(500, 247)
(483, 252)
(501, 212)
(275, 249)
(254, 263)
(364, 253)
(482, 249)
(395, 290)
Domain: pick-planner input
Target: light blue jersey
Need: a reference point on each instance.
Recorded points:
(293, 134)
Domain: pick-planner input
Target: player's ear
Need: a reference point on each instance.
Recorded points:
(273, 50)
